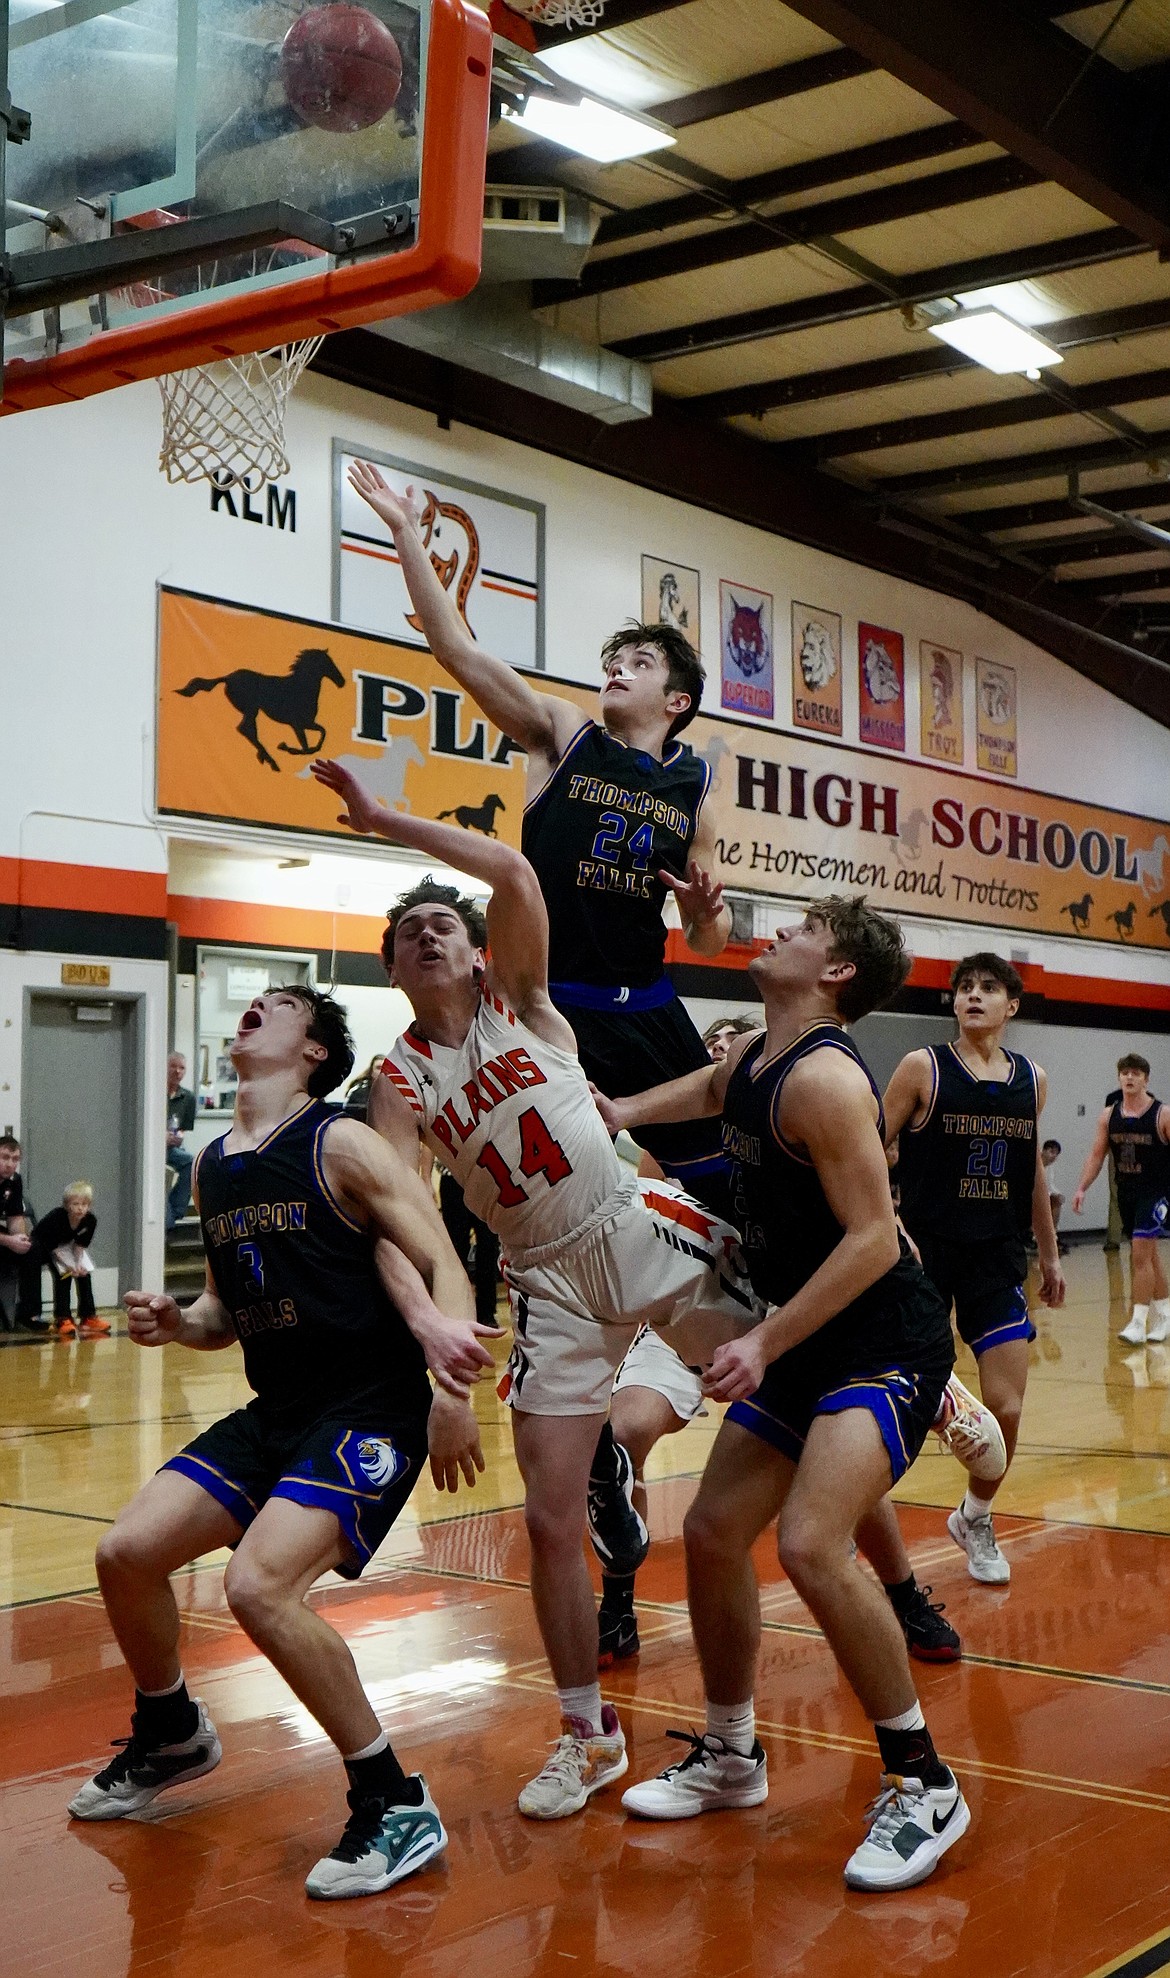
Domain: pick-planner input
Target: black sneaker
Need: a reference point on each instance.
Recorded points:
(141, 1771)
(928, 1637)
(616, 1532)
(617, 1638)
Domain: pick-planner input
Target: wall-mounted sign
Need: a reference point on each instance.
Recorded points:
(746, 650)
(486, 547)
(85, 975)
(940, 701)
(816, 669)
(247, 698)
(881, 687)
(670, 596)
(995, 717)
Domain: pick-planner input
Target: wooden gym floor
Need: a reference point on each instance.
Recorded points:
(1058, 1719)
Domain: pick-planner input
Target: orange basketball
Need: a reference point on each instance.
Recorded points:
(341, 67)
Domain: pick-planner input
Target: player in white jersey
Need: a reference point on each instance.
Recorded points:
(488, 1076)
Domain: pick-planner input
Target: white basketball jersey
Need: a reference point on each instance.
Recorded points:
(513, 1119)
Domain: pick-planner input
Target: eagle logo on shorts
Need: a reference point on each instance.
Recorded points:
(378, 1460)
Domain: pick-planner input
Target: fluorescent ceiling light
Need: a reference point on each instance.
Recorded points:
(592, 129)
(1031, 303)
(996, 342)
(610, 73)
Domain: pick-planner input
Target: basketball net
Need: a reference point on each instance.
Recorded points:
(225, 422)
(560, 13)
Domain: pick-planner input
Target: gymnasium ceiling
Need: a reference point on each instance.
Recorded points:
(843, 166)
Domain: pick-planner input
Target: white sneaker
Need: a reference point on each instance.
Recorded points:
(911, 1826)
(1134, 1334)
(381, 1845)
(710, 1779)
(582, 1761)
(1157, 1326)
(141, 1771)
(985, 1561)
(971, 1433)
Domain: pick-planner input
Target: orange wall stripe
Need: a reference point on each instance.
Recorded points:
(281, 927)
(82, 888)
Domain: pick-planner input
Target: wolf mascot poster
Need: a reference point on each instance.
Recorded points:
(746, 650)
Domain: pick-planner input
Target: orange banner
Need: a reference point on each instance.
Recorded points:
(247, 698)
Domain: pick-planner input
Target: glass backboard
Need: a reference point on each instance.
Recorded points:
(203, 175)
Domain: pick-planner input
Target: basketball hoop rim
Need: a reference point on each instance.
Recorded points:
(442, 265)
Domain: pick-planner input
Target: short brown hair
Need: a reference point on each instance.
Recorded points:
(740, 1024)
(329, 1025)
(873, 942)
(430, 892)
(985, 963)
(1132, 1062)
(684, 669)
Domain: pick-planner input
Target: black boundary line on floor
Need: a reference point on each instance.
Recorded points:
(28, 1430)
(1144, 1963)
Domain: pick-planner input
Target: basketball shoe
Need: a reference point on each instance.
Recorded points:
(382, 1844)
(141, 1771)
(911, 1826)
(928, 1637)
(971, 1433)
(617, 1532)
(66, 1329)
(710, 1779)
(617, 1637)
(95, 1328)
(581, 1762)
(976, 1537)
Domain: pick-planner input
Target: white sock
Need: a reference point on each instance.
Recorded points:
(583, 1703)
(1162, 1307)
(910, 1720)
(381, 1743)
(1141, 1313)
(172, 1689)
(973, 1508)
(735, 1724)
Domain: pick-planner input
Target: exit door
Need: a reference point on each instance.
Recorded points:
(81, 1113)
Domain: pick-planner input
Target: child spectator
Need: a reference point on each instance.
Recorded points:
(63, 1237)
(14, 1238)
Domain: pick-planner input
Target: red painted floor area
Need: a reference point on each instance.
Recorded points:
(1057, 1721)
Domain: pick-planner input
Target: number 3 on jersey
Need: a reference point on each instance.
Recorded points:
(539, 1154)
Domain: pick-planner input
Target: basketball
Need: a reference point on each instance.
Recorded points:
(341, 68)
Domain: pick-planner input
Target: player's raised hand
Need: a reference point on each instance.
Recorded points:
(397, 511)
(362, 811)
(455, 1353)
(700, 898)
(737, 1368)
(453, 1442)
(154, 1317)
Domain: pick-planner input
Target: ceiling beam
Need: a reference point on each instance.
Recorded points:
(1150, 492)
(763, 235)
(724, 99)
(733, 476)
(866, 298)
(1072, 333)
(1028, 409)
(835, 168)
(1088, 546)
(1025, 85)
(1123, 583)
(1051, 465)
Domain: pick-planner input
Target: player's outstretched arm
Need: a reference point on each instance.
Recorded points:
(697, 1095)
(706, 921)
(517, 917)
(828, 1108)
(376, 1185)
(908, 1093)
(1094, 1162)
(540, 723)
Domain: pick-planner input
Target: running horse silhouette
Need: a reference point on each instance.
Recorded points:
(1123, 921)
(289, 699)
(1078, 913)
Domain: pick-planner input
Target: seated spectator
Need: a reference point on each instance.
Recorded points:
(180, 1120)
(15, 1242)
(62, 1238)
